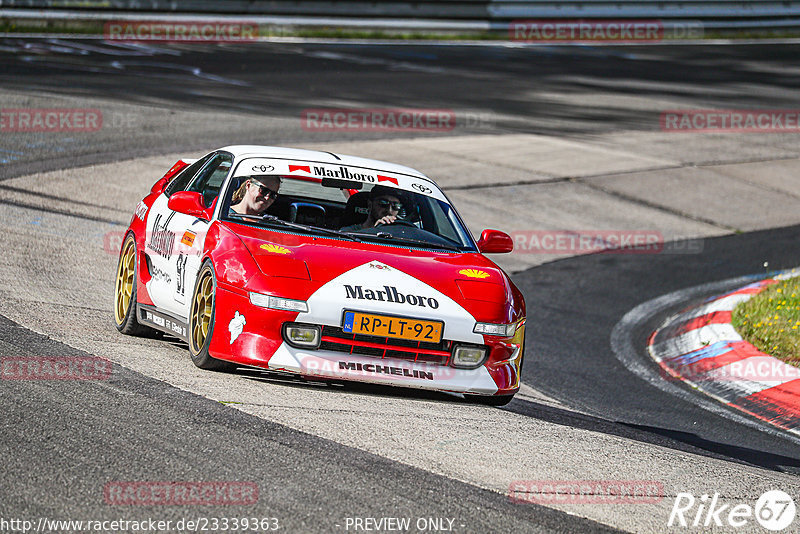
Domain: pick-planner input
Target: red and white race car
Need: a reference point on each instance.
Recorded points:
(325, 266)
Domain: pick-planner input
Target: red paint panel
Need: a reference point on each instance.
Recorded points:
(382, 178)
(484, 291)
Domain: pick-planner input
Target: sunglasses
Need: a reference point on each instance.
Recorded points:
(396, 206)
(265, 191)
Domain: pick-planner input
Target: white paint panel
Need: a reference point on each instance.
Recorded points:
(250, 166)
(178, 262)
(328, 303)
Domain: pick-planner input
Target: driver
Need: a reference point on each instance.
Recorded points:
(255, 195)
(384, 205)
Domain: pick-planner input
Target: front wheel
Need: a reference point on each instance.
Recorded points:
(201, 321)
(495, 400)
(125, 291)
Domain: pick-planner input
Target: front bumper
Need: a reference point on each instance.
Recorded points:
(386, 371)
(260, 344)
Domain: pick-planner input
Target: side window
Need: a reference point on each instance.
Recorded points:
(179, 182)
(209, 180)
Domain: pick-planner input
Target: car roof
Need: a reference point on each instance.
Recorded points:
(246, 151)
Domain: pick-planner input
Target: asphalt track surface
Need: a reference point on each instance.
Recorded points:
(135, 428)
(148, 430)
(595, 292)
(520, 89)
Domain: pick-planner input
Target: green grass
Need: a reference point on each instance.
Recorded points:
(51, 26)
(771, 320)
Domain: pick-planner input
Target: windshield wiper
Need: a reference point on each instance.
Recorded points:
(273, 219)
(426, 244)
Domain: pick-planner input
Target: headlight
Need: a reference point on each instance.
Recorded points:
(468, 356)
(278, 303)
(491, 329)
(302, 335)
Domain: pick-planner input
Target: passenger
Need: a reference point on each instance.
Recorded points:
(255, 195)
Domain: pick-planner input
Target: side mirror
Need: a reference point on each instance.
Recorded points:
(495, 242)
(189, 203)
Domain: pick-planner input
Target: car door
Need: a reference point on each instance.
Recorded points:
(169, 242)
(191, 231)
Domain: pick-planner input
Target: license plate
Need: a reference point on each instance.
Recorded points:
(396, 327)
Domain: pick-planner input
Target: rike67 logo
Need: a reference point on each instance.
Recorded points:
(774, 510)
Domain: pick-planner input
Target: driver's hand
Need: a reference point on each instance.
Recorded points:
(388, 219)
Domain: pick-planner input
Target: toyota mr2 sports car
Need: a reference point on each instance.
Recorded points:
(325, 266)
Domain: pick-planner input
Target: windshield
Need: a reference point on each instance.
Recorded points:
(366, 212)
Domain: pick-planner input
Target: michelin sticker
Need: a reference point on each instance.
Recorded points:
(236, 326)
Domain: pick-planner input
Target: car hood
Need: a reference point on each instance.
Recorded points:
(459, 276)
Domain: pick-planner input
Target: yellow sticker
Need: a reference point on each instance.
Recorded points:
(276, 249)
(474, 273)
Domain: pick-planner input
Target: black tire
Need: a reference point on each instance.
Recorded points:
(125, 291)
(500, 400)
(495, 400)
(197, 349)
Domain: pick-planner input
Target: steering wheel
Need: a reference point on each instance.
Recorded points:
(401, 222)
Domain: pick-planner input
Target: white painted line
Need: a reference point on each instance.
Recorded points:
(724, 304)
(697, 339)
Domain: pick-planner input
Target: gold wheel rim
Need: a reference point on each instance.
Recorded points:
(125, 280)
(202, 306)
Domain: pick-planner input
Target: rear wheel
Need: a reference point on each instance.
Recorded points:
(201, 321)
(125, 291)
